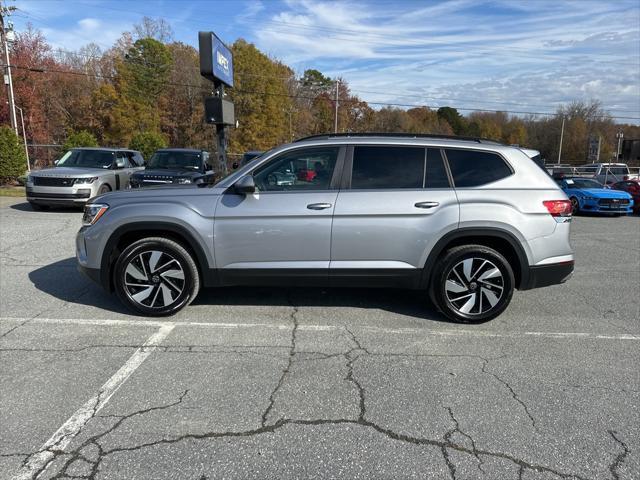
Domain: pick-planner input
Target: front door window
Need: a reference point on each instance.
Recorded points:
(300, 170)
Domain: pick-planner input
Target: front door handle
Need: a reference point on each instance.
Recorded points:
(427, 204)
(318, 206)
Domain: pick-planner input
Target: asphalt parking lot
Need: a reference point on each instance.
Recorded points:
(274, 383)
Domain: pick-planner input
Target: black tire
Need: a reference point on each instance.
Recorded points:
(575, 206)
(487, 285)
(38, 207)
(151, 286)
(104, 189)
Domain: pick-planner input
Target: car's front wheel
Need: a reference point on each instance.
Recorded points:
(156, 276)
(472, 284)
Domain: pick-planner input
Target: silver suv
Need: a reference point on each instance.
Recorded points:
(80, 174)
(466, 220)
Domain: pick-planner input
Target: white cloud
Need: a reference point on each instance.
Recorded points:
(492, 54)
(86, 30)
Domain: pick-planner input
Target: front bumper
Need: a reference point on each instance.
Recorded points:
(58, 196)
(91, 273)
(546, 275)
(606, 206)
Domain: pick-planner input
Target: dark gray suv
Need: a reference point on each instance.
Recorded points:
(466, 220)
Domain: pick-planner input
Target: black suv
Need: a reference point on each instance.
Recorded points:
(175, 165)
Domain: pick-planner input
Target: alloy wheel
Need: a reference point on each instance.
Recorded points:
(474, 286)
(575, 206)
(154, 279)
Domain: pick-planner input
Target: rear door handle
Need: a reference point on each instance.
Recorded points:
(318, 206)
(426, 204)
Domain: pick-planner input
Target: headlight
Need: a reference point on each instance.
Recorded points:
(29, 179)
(93, 212)
(183, 180)
(85, 180)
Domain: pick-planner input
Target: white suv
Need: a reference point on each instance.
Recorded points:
(466, 220)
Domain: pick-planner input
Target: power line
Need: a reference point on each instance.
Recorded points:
(349, 101)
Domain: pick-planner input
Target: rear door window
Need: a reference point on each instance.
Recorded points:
(388, 167)
(471, 168)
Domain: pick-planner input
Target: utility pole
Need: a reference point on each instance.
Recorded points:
(561, 137)
(8, 80)
(335, 123)
(24, 138)
(619, 136)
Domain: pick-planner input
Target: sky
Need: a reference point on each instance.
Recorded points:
(513, 55)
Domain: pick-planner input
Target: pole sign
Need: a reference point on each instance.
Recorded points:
(216, 60)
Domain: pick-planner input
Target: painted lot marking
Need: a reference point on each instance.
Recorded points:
(38, 462)
(308, 327)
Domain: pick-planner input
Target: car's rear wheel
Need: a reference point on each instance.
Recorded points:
(472, 284)
(156, 276)
(575, 206)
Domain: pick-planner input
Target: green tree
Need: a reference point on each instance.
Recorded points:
(13, 161)
(261, 97)
(147, 143)
(79, 139)
(144, 72)
(454, 119)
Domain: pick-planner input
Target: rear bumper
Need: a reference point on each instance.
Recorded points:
(546, 275)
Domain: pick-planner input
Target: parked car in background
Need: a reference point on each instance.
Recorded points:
(175, 166)
(560, 170)
(606, 173)
(464, 221)
(80, 174)
(632, 187)
(588, 195)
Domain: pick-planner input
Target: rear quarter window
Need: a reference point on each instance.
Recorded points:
(472, 168)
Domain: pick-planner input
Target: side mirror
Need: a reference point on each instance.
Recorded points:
(245, 185)
(120, 163)
(235, 165)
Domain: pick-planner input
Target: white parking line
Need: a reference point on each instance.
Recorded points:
(39, 461)
(462, 332)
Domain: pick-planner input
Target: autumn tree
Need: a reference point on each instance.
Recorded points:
(261, 99)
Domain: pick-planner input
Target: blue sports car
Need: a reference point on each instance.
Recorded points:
(588, 195)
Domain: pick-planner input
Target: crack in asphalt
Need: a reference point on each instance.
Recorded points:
(515, 396)
(456, 429)
(290, 359)
(357, 351)
(352, 355)
(620, 458)
(76, 454)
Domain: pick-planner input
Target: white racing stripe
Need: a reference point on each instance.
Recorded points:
(39, 461)
(462, 332)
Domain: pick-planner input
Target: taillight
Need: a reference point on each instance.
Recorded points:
(558, 208)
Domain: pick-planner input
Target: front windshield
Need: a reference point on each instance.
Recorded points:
(171, 160)
(87, 159)
(583, 183)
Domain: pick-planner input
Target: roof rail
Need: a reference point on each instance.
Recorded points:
(396, 135)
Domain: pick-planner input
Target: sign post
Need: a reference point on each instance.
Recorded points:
(216, 64)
